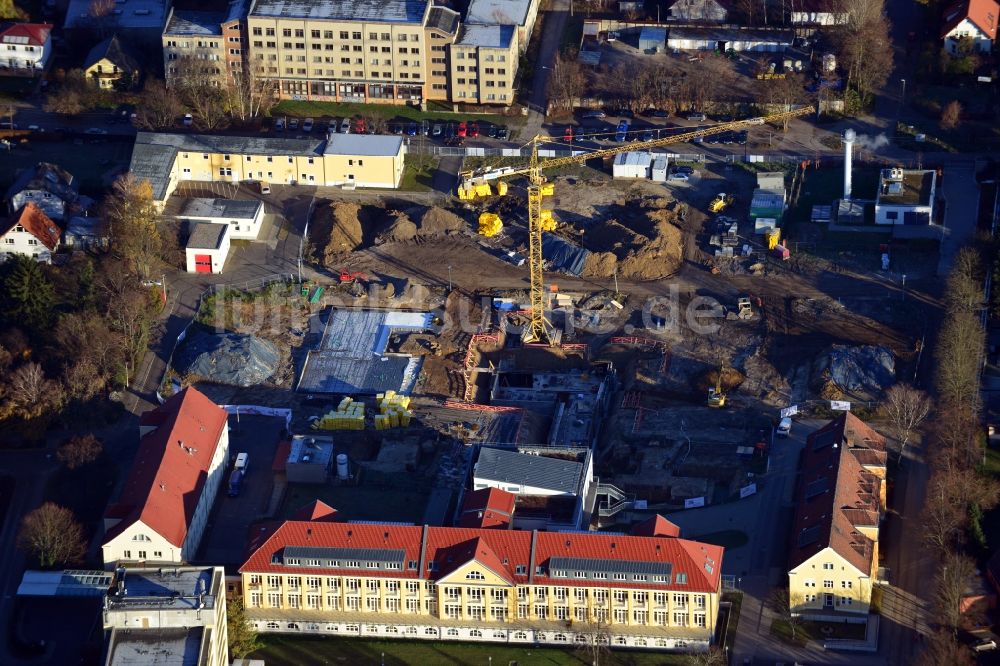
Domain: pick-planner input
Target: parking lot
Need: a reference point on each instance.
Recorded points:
(227, 531)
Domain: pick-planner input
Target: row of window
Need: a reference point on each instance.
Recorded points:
(828, 584)
(141, 554)
(328, 34)
(479, 633)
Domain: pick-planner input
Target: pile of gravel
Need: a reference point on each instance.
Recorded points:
(861, 370)
(229, 358)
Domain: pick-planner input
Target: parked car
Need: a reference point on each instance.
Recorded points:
(984, 645)
(187, 122)
(437, 130)
(678, 176)
(594, 114)
(655, 113)
(784, 427)
(454, 141)
(696, 115)
(568, 134)
(293, 124)
(625, 113)
(683, 169)
(698, 139)
(265, 188)
(647, 136)
(474, 129)
(95, 130)
(741, 137)
(359, 126)
(449, 130)
(411, 129)
(463, 129)
(503, 133)
(345, 126)
(307, 125)
(491, 131)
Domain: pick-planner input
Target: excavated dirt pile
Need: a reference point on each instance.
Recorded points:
(339, 228)
(645, 243)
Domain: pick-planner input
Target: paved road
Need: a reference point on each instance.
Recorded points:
(555, 23)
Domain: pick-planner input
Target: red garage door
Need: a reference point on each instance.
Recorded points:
(203, 263)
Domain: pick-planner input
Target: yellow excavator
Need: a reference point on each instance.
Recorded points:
(476, 184)
(716, 398)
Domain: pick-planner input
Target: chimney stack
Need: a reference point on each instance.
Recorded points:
(849, 137)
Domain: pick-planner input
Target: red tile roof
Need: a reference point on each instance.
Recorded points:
(982, 13)
(317, 511)
(487, 508)
(37, 33)
(36, 223)
(501, 551)
(171, 466)
(655, 526)
(836, 495)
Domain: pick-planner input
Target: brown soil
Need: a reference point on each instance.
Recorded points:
(436, 221)
(647, 245)
(337, 228)
(400, 229)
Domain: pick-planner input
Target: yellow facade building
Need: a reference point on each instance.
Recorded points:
(483, 62)
(343, 160)
(110, 66)
(840, 501)
(441, 583)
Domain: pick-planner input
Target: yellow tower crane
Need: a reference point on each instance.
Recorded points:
(540, 219)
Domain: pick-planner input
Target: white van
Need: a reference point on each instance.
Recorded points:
(784, 427)
(242, 461)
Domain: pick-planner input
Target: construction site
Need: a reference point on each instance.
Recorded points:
(656, 331)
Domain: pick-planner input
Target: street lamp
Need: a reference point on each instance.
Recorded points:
(449, 277)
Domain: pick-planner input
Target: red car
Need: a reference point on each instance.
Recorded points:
(474, 129)
(463, 129)
(359, 126)
(568, 134)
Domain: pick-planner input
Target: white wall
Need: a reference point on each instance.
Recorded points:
(22, 242)
(967, 29)
(218, 256)
(21, 58)
(136, 539)
(882, 213)
(423, 629)
(216, 474)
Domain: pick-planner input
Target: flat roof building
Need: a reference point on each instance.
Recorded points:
(242, 216)
(905, 196)
(171, 616)
(207, 247)
(518, 13)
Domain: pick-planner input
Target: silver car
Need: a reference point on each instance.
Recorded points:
(345, 126)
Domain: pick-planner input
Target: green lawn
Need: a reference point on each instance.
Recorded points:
(418, 173)
(388, 111)
(818, 631)
(88, 162)
(282, 650)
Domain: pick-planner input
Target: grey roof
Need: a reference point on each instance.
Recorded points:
(67, 583)
(195, 24)
(374, 145)
(50, 177)
(173, 588)
(491, 12)
(633, 570)
(443, 19)
(155, 647)
(384, 11)
(232, 145)
(131, 15)
(338, 557)
(152, 162)
(488, 36)
(528, 470)
(713, 34)
(231, 209)
(206, 236)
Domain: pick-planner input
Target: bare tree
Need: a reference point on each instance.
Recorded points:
(954, 575)
(714, 656)
(951, 115)
(598, 647)
(52, 535)
(906, 409)
(863, 45)
(79, 451)
(200, 79)
(132, 217)
(31, 394)
(567, 81)
(158, 107)
(944, 648)
(250, 93)
(783, 604)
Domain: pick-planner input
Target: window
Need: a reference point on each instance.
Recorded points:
(682, 579)
(828, 566)
(640, 617)
(846, 583)
(257, 32)
(699, 601)
(314, 34)
(541, 612)
(274, 600)
(828, 584)
(846, 601)
(680, 619)
(475, 575)
(809, 582)
(680, 600)
(142, 553)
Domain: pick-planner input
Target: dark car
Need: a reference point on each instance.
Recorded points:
(741, 137)
(449, 130)
(625, 113)
(655, 113)
(593, 114)
(454, 141)
(647, 136)
(683, 169)
(411, 129)
(492, 131)
(503, 133)
(397, 128)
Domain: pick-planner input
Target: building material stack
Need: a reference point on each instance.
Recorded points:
(393, 411)
(349, 415)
